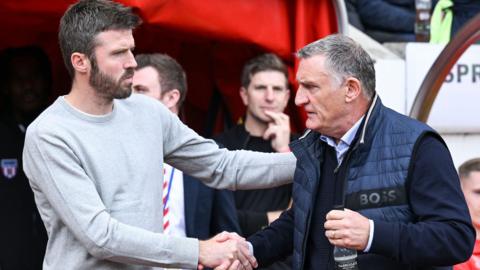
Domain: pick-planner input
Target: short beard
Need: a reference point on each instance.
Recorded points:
(106, 86)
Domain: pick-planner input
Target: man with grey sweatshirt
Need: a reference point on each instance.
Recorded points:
(94, 159)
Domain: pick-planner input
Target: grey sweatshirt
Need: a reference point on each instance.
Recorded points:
(97, 182)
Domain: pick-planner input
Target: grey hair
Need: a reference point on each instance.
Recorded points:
(345, 58)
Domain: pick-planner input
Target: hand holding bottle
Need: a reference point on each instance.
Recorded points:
(347, 228)
(347, 231)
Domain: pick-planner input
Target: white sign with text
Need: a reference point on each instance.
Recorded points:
(457, 106)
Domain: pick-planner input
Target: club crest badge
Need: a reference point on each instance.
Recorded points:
(9, 167)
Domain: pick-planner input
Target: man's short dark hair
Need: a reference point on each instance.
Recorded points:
(83, 21)
(170, 72)
(469, 166)
(264, 62)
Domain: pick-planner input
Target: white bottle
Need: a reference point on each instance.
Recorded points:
(345, 258)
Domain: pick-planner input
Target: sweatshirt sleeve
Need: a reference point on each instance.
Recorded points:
(219, 168)
(56, 173)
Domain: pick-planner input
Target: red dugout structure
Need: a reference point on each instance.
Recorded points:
(212, 39)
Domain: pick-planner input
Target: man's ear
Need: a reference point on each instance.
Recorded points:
(80, 62)
(171, 98)
(243, 95)
(353, 89)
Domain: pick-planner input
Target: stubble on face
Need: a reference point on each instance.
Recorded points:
(106, 86)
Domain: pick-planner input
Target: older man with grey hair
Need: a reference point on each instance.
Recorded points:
(370, 184)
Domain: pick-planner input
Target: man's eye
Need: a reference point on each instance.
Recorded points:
(120, 52)
(140, 89)
(306, 86)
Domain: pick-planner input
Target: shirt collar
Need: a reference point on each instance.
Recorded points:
(344, 144)
(347, 138)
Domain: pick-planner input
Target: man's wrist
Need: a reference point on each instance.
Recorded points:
(285, 149)
(272, 216)
(201, 247)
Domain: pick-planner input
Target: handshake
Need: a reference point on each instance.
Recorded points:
(226, 251)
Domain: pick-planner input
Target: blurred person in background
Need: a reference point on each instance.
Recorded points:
(384, 20)
(191, 208)
(265, 93)
(469, 173)
(25, 83)
(448, 18)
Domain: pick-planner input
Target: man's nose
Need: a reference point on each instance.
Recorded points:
(300, 97)
(131, 62)
(269, 94)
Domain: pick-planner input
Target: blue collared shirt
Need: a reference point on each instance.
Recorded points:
(342, 147)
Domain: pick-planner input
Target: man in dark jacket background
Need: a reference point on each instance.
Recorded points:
(394, 176)
(265, 94)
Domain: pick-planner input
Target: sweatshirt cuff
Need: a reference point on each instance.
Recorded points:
(186, 253)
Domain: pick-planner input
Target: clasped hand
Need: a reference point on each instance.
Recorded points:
(226, 251)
